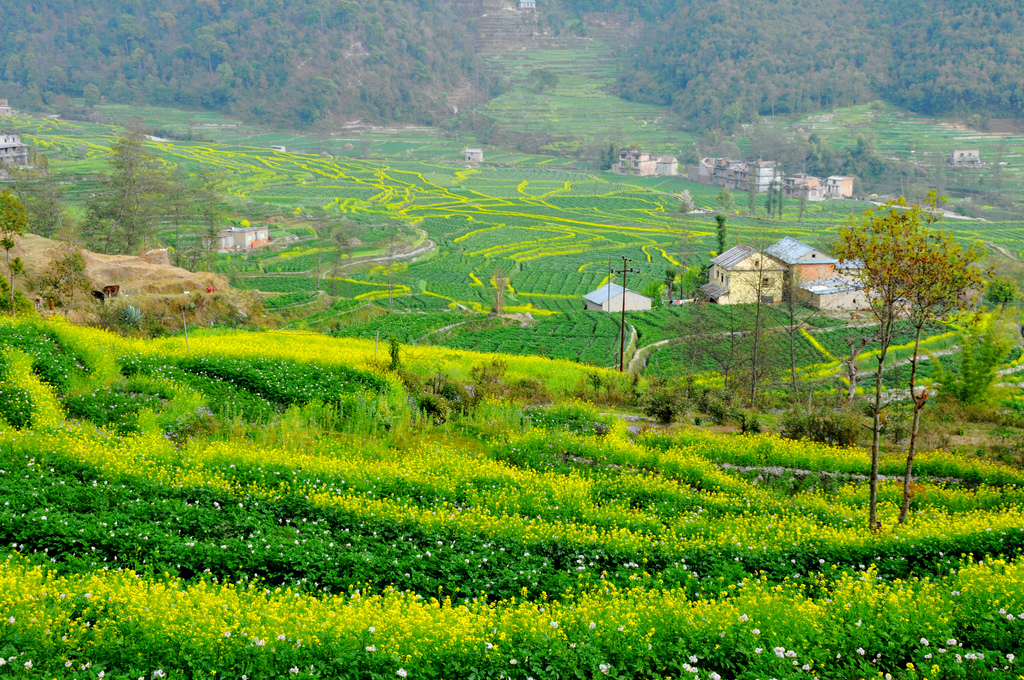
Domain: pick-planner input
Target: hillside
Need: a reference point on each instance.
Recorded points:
(295, 63)
(285, 505)
(722, 62)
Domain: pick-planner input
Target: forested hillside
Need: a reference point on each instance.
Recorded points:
(291, 61)
(721, 61)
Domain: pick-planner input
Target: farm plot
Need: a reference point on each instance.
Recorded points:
(182, 541)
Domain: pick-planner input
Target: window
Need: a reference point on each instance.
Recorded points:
(766, 281)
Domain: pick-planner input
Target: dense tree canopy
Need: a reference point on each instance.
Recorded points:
(722, 61)
(294, 61)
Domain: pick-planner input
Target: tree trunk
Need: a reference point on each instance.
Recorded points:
(876, 437)
(919, 403)
(11, 270)
(757, 339)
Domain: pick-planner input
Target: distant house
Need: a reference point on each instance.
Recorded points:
(474, 155)
(239, 239)
(804, 186)
(805, 263)
(635, 162)
(666, 166)
(12, 151)
(838, 186)
(279, 148)
(965, 159)
(5, 109)
(609, 298)
(736, 174)
(763, 174)
(526, 4)
(741, 273)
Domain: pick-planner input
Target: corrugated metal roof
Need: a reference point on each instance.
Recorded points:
(850, 264)
(605, 293)
(831, 286)
(734, 256)
(713, 290)
(790, 251)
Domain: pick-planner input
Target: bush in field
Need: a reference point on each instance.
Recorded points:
(662, 402)
(838, 428)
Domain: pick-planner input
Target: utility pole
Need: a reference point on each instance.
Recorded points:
(622, 325)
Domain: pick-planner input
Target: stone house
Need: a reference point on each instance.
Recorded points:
(526, 4)
(240, 239)
(667, 166)
(12, 151)
(474, 155)
(741, 273)
(833, 294)
(965, 159)
(5, 108)
(609, 298)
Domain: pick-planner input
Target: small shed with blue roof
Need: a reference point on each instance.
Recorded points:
(609, 298)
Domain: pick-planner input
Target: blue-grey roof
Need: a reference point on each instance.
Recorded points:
(734, 256)
(790, 251)
(605, 293)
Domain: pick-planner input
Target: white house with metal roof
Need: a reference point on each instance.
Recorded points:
(609, 298)
(474, 155)
(741, 274)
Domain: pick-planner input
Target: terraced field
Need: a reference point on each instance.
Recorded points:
(553, 232)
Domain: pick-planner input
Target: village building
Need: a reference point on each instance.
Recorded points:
(278, 147)
(609, 298)
(240, 239)
(526, 4)
(12, 151)
(667, 166)
(965, 159)
(763, 175)
(838, 186)
(740, 274)
(737, 174)
(804, 262)
(5, 108)
(833, 294)
(635, 162)
(473, 155)
(804, 186)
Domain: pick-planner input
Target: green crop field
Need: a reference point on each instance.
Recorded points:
(264, 505)
(553, 231)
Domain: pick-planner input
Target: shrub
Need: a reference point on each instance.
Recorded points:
(836, 427)
(662, 402)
